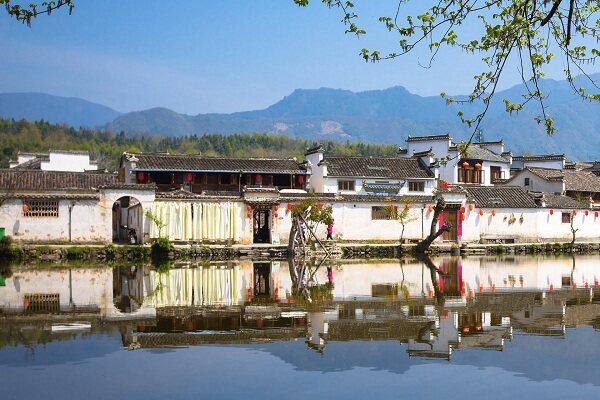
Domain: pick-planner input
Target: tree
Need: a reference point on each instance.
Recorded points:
(434, 233)
(525, 31)
(306, 216)
(403, 217)
(25, 14)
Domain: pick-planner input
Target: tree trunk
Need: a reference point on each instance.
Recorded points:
(424, 244)
(433, 270)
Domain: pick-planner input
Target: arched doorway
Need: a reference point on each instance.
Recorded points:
(127, 220)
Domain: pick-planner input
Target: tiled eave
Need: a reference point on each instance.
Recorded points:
(226, 171)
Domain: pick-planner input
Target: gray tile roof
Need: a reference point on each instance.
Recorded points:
(552, 200)
(426, 138)
(35, 163)
(540, 157)
(581, 181)
(32, 180)
(377, 167)
(197, 163)
(549, 174)
(500, 197)
(478, 152)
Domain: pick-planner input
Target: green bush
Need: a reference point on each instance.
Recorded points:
(75, 253)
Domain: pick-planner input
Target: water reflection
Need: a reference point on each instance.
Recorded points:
(431, 306)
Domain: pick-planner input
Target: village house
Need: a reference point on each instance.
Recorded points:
(581, 185)
(248, 200)
(482, 164)
(55, 160)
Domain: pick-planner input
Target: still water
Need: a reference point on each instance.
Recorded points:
(526, 327)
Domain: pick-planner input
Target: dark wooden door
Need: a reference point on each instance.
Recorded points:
(452, 217)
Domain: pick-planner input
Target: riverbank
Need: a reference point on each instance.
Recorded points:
(134, 253)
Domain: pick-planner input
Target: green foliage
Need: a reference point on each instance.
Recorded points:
(25, 13)
(107, 147)
(317, 212)
(75, 253)
(9, 252)
(161, 247)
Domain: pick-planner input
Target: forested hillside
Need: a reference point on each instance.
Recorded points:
(107, 147)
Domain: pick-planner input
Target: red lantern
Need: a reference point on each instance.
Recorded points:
(595, 214)
(480, 212)
(258, 178)
(249, 216)
(465, 165)
(462, 217)
(445, 184)
(470, 207)
(477, 166)
(276, 215)
(574, 212)
(429, 208)
(462, 210)
(25, 208)
(140, 176)
(300, 179)
(188, 177)
(586, 213)
(249, 208)
(289, 206)
(551, 211)
(493, 213)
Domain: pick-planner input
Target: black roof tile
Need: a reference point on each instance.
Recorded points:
(500, 197)
(37, 180)
(197, 163)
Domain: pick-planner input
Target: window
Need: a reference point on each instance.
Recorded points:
(346, 185)
(212, 179)
(526, 181)
(416, 186)
(226, 179)
(496, 173)
(381, 213)
(469, 175)
(566, 218)
(40, 208)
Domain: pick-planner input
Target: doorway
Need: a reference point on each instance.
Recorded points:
(451, 216)
(262, 226)
(262, 279)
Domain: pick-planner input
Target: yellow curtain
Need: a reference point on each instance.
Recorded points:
(195, 286)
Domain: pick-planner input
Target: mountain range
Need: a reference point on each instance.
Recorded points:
(376, 116)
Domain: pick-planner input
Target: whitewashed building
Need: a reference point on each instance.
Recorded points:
(482, 164)
(55, 160)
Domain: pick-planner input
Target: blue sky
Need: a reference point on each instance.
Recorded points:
(214, 56)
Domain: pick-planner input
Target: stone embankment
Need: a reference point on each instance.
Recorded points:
(132, 253)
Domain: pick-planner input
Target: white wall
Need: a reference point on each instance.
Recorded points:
(317, 172)
(90, 222)
(536, 184)
(330, 185)
(68, 161)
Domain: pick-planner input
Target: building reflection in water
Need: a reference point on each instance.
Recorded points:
(486, 299)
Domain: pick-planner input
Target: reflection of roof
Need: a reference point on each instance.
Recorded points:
(11, 179)
(377, 167)
(500, 197)
(197, 163)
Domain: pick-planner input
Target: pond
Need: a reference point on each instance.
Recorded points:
(492, 327)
